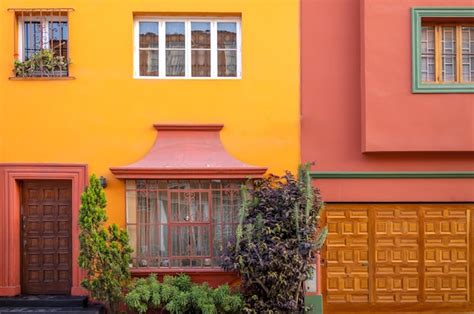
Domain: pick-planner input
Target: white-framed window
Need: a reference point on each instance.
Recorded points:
(172, 47)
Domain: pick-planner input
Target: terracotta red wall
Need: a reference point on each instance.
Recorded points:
(346, 90)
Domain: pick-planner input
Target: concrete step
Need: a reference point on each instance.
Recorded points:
(47, 301)
(56, 310)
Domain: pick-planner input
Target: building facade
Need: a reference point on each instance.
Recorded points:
(176, 103)
(221, 101)
(387, 115)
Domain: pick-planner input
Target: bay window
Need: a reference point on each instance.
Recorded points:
(181, 223)
(187, 48)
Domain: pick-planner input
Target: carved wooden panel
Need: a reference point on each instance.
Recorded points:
(446, 241)
(397, 257)
(347, 277)
(46, 236)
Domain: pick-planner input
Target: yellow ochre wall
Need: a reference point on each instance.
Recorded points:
(104, 117)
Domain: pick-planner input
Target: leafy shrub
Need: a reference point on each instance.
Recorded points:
(179, 295)
(276, 238)
(43, 61)
(104, 251)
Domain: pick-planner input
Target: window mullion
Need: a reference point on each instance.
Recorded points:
(458, 53)
(187, 48)
(438, 53)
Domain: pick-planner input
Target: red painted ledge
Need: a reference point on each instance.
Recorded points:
(191, 151)
(213, 276)
(188, 127)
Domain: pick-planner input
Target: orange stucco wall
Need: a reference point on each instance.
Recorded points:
(105, 118)
(409, 129)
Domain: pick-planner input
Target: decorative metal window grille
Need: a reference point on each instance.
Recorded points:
(181, 223)
(40, 30)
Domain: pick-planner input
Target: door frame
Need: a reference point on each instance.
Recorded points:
(10, 196)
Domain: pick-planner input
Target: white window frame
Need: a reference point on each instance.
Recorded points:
(45, 29)
(187, 27)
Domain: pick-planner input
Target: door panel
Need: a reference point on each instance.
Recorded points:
(446, 241)
(347, 256)
(46, 237)
(396, 254)
(418, 255)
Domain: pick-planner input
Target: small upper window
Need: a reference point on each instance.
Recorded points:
(43, 42)
(187, 48)
(443, 50)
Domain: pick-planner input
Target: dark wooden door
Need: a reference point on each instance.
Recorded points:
(46, 237)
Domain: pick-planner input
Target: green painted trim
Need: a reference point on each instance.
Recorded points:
(390, 174)
(315, 303)
(416, 16)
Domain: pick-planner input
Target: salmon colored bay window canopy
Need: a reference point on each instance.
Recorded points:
(188, 152)
(183, 198)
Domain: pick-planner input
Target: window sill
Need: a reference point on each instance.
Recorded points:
(424, 88)
(43, 78)
(145, 271)
(171, 78)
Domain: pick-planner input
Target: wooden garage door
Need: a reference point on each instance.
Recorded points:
(398, 256)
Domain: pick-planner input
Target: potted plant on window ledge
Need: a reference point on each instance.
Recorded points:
(43, 63)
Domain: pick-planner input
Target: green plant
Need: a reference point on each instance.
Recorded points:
(104, 251)
(179, 295)
(44, 62)
(277, 236)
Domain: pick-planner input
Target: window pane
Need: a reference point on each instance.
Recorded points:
(149, 35)
(130, 185)
(132, 238)
(175, 63)
(227, 63)
(199, 239)
(227, 35)
(448, 53)
(58, 38)
(201, 63)
(32, 38)
(175, 35)
(468, 54)
(149, 63)
(131, 207)
(200, 35)
(427, 54)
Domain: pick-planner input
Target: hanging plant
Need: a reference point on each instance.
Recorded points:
(277, 237)
(41, 63)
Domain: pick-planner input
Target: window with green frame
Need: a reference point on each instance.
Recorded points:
(443, 50)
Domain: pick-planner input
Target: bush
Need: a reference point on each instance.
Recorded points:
(43, 62)
(104, 251)
(276, 238)
(179, 295)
